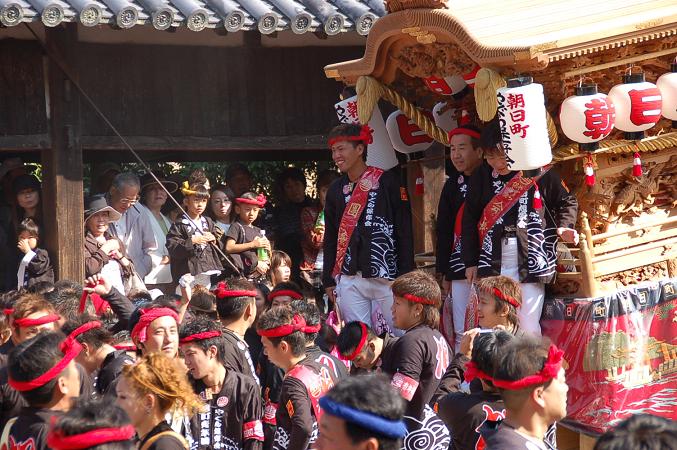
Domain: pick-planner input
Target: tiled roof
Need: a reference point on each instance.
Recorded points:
(268, 16)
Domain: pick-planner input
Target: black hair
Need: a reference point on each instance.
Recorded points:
(276, 317)
(95, 338)
(203, 303)
(325, 178)
(372, 394)
(350, 337)
(349, 129)
(232, 308)
(29, 226)
(138, 296)
(94, 414)
(201, 325)
(287, 286)
(65, 297)
(490, 137)
(486, 347)
(41, 288)
(198, 190)
(33, 358)
(640, 432)
(291, 173)
(310, 314)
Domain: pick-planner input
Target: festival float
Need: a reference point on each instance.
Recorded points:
(589, 89)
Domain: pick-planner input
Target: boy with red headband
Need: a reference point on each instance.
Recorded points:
(466, 156)
(419, 359)
(284, 293)
(236, 306)
(530, 378)
(368, 240)
(465, 412)
(244, 239)
(233, 417)
(43, 370)
(304, 383)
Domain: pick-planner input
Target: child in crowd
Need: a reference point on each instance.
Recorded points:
(190, 240)
(280, 268)
(35, 266)
(244, 240)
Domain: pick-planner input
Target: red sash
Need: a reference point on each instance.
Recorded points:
(504, 200)
(352, 213)
(317, 384)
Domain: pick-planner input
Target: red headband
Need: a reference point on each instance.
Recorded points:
(70, 349)
(200, 336)
(506, 298)
(472, 371)
(364, 136)
(25, 322)
(8, 311)
(222, 292)
(308, 329)
(415, 299)
(260, 200)
(360, 346)
(298, 323)
(148, 316)
(465, 131)
(549, 371)
(285, 293)
(83, 329)
(89, 439)
(125, 347)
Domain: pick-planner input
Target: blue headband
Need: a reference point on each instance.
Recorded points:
(394, 429)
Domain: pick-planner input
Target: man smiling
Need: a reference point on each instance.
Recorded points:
(368, 237)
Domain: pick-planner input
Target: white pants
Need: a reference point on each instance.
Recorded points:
(460, 292)
(368, 300)
(533, 294)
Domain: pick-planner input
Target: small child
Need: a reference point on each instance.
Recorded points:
(34, 266)
(191, 250)
(244, 239)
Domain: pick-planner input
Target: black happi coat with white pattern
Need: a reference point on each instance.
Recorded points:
(382, 244)
(536, 227)
(233, 420)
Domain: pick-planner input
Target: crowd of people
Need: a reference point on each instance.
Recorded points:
(218, 322)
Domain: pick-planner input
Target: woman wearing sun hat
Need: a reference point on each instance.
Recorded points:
(153, 198)
(104, 254)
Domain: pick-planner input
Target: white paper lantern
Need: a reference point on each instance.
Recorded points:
(405, 135)
(667, 84)
(587, 117)
(445, 120)
(450, 85)
(638, 105)
(524, 130)
(380, 153)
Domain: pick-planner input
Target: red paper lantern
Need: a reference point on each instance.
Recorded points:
(587, 117)
(638, 105)
(667, 84)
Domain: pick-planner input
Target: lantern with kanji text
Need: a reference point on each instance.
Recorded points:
(524, 131)
(638, 105)
(587, 117)
(667, 84)
(405, 135)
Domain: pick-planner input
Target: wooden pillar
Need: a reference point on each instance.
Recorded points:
(62, 163)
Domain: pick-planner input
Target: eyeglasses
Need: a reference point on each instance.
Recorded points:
(129, 201)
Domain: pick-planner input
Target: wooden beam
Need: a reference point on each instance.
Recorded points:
(207, 143)
(62, 163)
